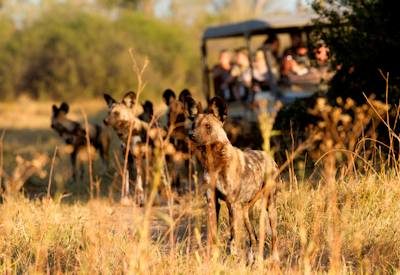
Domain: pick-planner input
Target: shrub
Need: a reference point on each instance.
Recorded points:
(365, 38)
(69, 53)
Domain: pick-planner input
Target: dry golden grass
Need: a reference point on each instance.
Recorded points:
(104, 237)
(359, 229)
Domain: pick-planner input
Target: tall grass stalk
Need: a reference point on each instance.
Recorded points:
(89, 154)
(138, 71)
(51, 172)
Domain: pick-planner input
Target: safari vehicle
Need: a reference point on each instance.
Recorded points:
(249, 30)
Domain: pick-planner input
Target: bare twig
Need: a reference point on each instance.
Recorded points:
(382, 119)
(90, 164)
(349, 152)
(140, 86)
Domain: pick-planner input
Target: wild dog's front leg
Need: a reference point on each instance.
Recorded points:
(217, 205)
(249, 227)
(251, 234)
(209, 180)
(236, 224)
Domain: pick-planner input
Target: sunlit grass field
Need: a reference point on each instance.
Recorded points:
(350, 227)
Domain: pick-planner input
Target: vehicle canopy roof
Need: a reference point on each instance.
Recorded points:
(294, 23)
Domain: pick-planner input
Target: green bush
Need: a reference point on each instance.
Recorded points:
(365, 39)
(6, 29)
(70, 53)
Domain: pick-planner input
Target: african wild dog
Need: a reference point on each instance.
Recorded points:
(177, 127)
(234, 175)
(73, 133)
(123, 116)
(176, 116)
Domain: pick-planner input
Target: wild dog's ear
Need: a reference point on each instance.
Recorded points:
(148, 113)
(218, 108)
(54, 109)
(168, 94)
(64, 107)
(147, 106)
(192, 108)
(109, 100)
(199, 108)
(129, 99)
(184, 93)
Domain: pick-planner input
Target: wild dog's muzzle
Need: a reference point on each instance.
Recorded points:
(192, 136)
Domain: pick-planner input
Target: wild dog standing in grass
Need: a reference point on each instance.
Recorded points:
(177, 127)
(74, 134)
(144, 137)
(176, 117)
(238, 176)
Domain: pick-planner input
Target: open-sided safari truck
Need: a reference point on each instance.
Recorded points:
(247, 31)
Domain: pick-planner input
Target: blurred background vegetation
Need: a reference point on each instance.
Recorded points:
(365, 42)
(63, 49)
(53, 49)
(69, 51)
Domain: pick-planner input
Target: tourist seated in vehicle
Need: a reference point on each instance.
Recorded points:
(295, 43)
(303, 63)
(241, 72)
(221, 75)
(298, 69)
(322, 66)
(296, 66)
(296, 63)
(272, 44)
(260, 72)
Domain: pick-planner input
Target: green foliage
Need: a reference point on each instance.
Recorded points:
(365, 38)
(69, 53)
(6, 29)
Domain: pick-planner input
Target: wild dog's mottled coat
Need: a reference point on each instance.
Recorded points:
(177, 124)
(122, 117)
(73, 133)
(238, 176)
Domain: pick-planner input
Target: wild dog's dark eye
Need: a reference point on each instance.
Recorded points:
(208, 126)
(116, 113)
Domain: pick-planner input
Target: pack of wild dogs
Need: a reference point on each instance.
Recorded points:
(230, 175)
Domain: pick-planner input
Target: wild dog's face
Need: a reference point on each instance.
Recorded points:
(168, 96)
(148, 111)
(120, 112)
(208, 128)
(69, 130)
(192, 108)
(58, 117)
(184, 94)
